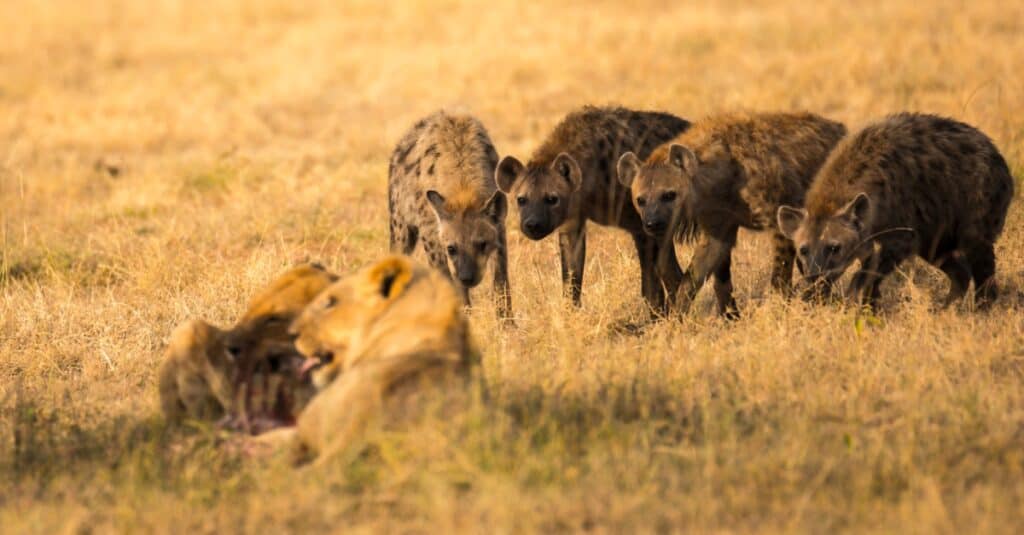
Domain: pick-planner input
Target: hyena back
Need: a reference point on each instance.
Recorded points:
(728, 171)
(910, 184)
(441, 194)
(571, 178)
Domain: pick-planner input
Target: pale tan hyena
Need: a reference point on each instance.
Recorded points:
(726, 172)
(570, 179)
(910, 184)
(441, 193)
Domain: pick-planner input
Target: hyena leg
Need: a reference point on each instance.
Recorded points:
(956, 268)
(723, 288)
(864, 287)
(782, 264)
(708, 258)
(669, 271)
(572, 248)
(982, 260)
(502, 293)
(650, 287)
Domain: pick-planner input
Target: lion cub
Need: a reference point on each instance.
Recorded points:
(206, 369)
(377, 341)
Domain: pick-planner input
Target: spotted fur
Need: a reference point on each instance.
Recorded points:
(728, 171)
(441, 194)
(571, 179)
(909, 184)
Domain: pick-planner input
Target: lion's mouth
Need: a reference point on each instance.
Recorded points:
(320, 358)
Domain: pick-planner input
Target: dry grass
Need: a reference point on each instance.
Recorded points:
(162, 160)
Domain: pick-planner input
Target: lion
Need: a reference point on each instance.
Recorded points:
(247, 377)
(378, 342)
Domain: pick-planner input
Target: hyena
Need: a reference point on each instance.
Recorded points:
(570, 179)
(441, 193)
(908, 184)
(727, 171)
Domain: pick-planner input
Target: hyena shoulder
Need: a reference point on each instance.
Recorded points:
(449, 153)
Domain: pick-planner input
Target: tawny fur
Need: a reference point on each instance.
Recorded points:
(380, 336)
(909, 184)
(571, 179)
(442, 195)
(730, 171)
(204, 367)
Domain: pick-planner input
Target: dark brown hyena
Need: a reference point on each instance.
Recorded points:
(908, 184)
(441, 193)
(570, 179)
(726, 172)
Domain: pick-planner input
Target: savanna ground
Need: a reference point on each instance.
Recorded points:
(163, 160)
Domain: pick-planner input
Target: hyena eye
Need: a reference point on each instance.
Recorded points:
(520, 201)
(481, 246)
(668, 196)
(451, 250)
(641, 202)
(331, 301)
(550, 200)
(804, 250)
(833, 248)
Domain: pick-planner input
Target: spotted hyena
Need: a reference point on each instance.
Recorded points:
(910, 184)
(727, 171)
(570, 179)
(441, 193)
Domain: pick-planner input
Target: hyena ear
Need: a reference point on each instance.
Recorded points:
(437, 202)
(790, 219)
(857, 209)
(496, 208)
(683, 158)
(391, 276)
(566, 166)
(629, 166)
(507, 172)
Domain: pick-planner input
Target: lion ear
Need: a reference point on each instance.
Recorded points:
(391, 276)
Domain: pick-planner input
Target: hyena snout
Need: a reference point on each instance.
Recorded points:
(656, 222)
(655, 226)
(467, 272)
(536, 227)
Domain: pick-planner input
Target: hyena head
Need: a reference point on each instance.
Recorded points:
(543, 194)
(659, 188)
(469, 236)
(827, 244)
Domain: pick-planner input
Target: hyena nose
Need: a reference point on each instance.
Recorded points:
(532, 227)
(654, 226)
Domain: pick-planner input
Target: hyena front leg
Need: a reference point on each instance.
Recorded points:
(502, 293)
(572, 249)
(782, 264)
(955, 267)
(865, 284)
(669, 271)
(713, 255)
(650, 285)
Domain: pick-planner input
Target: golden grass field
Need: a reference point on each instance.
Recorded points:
(163, 160)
